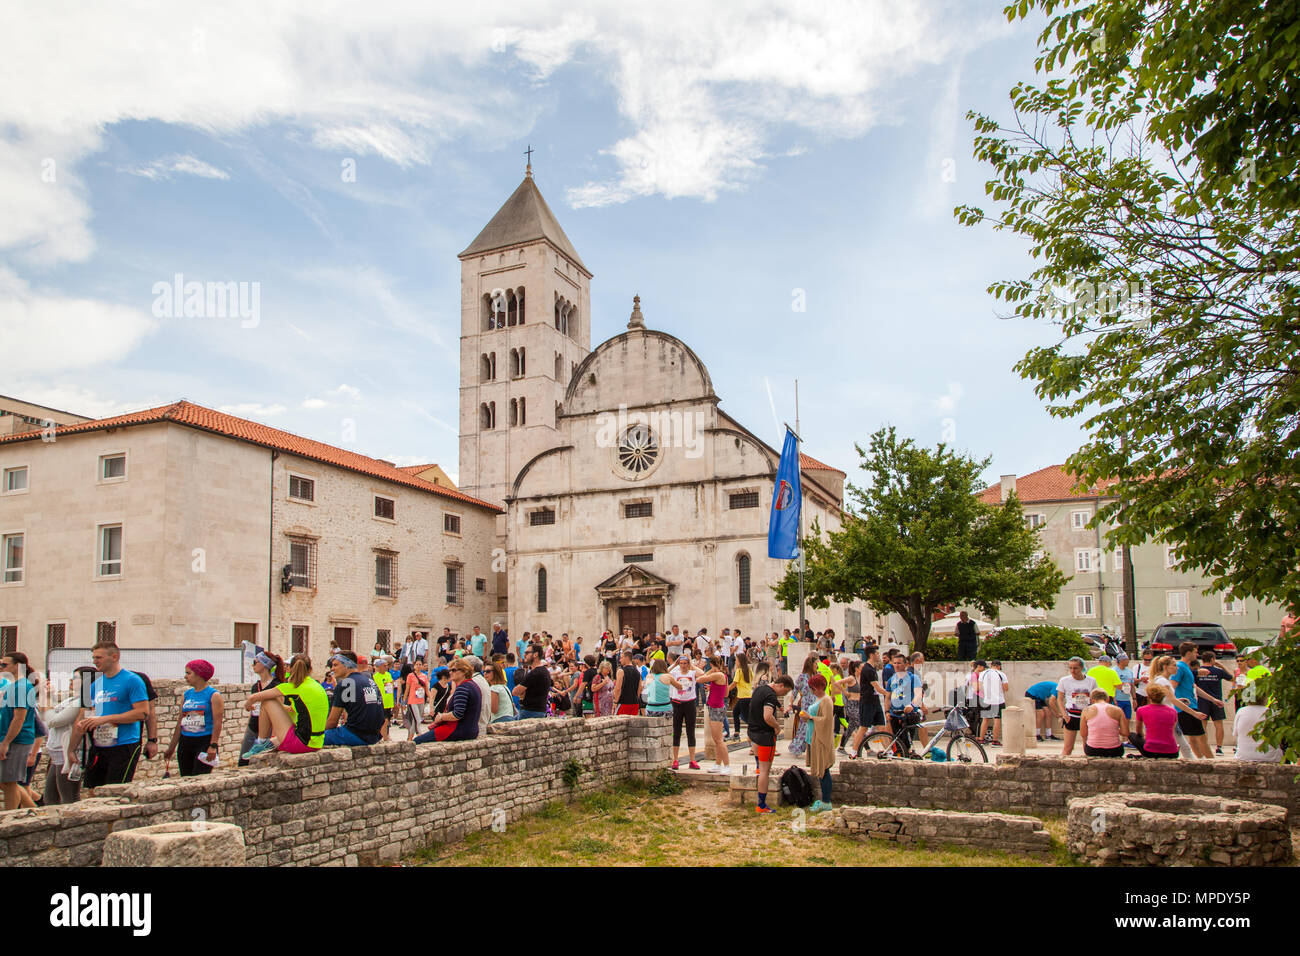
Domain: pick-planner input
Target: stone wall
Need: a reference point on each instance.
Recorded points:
(364, 805)
(1044, 784)
(994, 831)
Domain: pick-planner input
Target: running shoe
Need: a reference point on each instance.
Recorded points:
(764, 810)
(819, 807)
(694, 766)
(261, 746)
(674, 764)
(1218, 750)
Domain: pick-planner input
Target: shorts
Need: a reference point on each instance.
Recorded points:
(1213, 711)
(111, 765)
(718, 714)
(1073, 722)
(1126, 706)
(1190, 726)
(627, 710)
(991, 711)
(13, 769)
(873, 715)
(292, 745)
(1038, 704)
(1103, 751)
(764, 754)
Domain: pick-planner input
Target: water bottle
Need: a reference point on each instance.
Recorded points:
(75, 773)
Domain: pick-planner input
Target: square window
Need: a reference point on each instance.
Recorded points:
(106, 631)
(1175, 602)
(13, 558)
(110, 550)
(541, 516)
(1079, 520)
(302, 489)
(638, 509)
(1083, 606)
(743, 499)
(112, 467)
(385, 507)
(1082, 559)
(451, 524)
(244, 632)
(15, 480)
(480, 585)
(1234, 606)
(384, 638)
(1035, 520)
(1035, 613)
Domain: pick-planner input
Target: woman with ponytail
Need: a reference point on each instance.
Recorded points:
(293, 713)
(269, 668)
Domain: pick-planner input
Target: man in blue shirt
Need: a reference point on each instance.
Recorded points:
(357, 697)
(1192, 725)
(1124, 692)
(1043, 694)
(121, 703)
(905, 691)
(17, 729)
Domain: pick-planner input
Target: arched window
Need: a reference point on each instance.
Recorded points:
(484, 416)
(541, 590)
(571, 327)
(523, 362)
(559, 366)
(495, 310)
(514, 411)
(559, 410)
(523, 411)
(489, 368)
(512, 308)
(514, 363)
(492, 414)
(742, 579)
(521, 305)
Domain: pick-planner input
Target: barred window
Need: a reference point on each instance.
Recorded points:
(302, 489)
(302, 561)
(542, 516)
(106, 631)
(385, 574)
(637, 558)
(744, 499)
(384, 507)
(9, 639)
(742, 576)
(480, 585)
(638, 509)
(384, 638)
(455, 585)
(451, 524)
(56, 636)
(299, 639)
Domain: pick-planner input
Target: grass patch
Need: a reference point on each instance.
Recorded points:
(571, 773)
(666, 784)
(587, 846)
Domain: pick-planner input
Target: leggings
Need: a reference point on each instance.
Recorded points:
(1103, 751)
(684, 712)
(739, 712)
(826, 787)
(187, 753)
(58, 788)
(250, 738)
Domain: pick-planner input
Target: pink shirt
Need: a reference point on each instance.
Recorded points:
(1103, 730)
(1159, 722)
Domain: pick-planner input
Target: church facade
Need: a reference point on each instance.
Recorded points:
(630, 497)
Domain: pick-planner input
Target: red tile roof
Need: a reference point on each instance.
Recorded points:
(1047, 484)
(210, 420)
(809, 463)
(416, 469)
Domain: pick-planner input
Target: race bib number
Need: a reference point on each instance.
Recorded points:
(193, 722)
(1126, 687)
(419, 693)
(105, 735)
(1079, 701)
(257, 710)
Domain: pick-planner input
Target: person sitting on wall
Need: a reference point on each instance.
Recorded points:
(357, 697)
(460, 720)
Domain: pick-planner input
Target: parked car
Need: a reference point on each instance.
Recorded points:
(1206, 636)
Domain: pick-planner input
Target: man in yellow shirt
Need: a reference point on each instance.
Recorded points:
(1106, 676)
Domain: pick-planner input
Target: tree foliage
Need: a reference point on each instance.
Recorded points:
(917, 538)
(1158, 156)
(1041, 642)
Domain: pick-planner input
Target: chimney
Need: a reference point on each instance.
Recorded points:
(1008, 485)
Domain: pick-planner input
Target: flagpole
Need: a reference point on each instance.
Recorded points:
(799, 470)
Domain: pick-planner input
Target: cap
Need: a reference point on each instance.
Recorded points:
(1104, 659)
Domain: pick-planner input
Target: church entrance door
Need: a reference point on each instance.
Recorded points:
(640, 618)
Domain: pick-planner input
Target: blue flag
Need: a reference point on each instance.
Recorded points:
(787, 499)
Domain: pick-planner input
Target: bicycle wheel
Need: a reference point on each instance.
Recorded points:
(966, 749)
(879, 744)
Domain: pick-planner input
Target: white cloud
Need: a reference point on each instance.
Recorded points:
(314, 403)
(187, 165)
(45, 333)
(253, 408)
(946, 403)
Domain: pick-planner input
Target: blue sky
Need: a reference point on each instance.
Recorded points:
(712, 161)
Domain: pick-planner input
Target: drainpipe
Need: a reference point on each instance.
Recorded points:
(1101, 570)
(270, 548)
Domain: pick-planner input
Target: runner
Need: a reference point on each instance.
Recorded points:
(1159, 721)
(658, 700)
(627, 687)
(905, 693)
(851, 687)
(742, 685)
(1124, 692)
(871, 713)
(121, 704)
(1141, 677)
(384, 681)
(765, 709)
(716, 702)
(17, 729)
(993, 699)
(269, 669)
(1106, 676)
(198, 729)
(1043, 694)
(681, 678)
(357, 698)
(416, 696)
(1209, 678)
(1191, 721)
(63, 778)
(1103, 726)
(293, 713)
(1073, 696)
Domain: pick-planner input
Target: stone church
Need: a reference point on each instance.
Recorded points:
(631, 498)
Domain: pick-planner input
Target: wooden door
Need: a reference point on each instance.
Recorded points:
(641, 619)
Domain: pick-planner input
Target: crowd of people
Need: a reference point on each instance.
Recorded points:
(95, 730)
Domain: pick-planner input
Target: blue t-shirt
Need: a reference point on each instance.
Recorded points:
(510, 678)
(1126, 679)
(1044, 690)
(476, 644)
(902, 690)
(1185, 685)
(196, 712)
(117, 695)
(16, 695)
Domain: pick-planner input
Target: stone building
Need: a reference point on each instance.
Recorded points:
(1094, 596)
(631, 497)
(184, 526)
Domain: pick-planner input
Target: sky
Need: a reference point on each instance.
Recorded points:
(730, 163)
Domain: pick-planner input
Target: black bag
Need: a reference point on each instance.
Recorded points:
(796, 787)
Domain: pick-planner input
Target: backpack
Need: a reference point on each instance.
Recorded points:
(796, 787)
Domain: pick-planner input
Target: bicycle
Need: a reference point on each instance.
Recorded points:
(963, 746)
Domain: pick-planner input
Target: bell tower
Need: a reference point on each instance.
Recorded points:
(525, 300)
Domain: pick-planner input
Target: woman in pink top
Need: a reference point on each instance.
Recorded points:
(1159, 722)
(716, 680)
(1103, 726)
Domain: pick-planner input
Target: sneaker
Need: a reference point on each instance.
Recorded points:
(1218, 750)
(995, 743)
(674, 764)
(262, 746)
(764, 810)
(1053, 737)
(694, 766)
(841, 750)
(819, 807)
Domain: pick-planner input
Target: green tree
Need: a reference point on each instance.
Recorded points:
(917, 538)
(1154, 172)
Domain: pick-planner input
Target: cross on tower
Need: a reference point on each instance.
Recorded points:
(529, 153)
